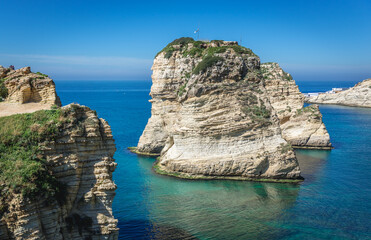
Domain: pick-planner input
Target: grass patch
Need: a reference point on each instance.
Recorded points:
(42, 74)
(181, 90)
(310, 109)
(206, 62)
(23, 170)
(169, 49)
(200, 48)
(257, 111)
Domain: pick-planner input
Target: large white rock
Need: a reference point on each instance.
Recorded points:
(218, 122)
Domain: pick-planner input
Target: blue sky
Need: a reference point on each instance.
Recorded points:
(117, 40)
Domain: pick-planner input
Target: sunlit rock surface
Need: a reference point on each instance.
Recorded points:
(357, 96)
(212, 116)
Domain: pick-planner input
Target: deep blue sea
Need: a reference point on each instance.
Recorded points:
(334, 201)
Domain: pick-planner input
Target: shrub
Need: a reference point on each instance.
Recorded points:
(3, 90)
(42, 74)
(22, 167)
(242, 50)
(54, 107)
(207, 62)
(257, 111)
(169, 49)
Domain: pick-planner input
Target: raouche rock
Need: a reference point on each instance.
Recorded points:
(301, 126)
(212, 116)
(80, 156)
(357, 96)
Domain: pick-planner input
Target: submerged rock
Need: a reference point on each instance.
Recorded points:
(212, 116)
(357, 96)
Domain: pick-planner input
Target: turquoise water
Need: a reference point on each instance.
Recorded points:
(334, 202)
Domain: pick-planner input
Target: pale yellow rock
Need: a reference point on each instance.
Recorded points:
(27, 87)
(357, 96)
(218, 123)
(301, 127)
(80, 157)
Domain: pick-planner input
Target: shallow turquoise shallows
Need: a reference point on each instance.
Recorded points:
(334, 201)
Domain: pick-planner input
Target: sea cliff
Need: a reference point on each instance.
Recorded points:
(211, 115)
(56, 167)
(215, 115)
(357, 96)
(301, 126)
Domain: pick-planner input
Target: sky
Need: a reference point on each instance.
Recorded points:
(317, 40)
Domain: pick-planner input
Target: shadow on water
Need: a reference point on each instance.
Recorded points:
(218, 209)
(311, 162)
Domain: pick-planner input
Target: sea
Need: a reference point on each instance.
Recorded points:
(334, 201)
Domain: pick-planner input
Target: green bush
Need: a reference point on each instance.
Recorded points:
(169, 49)
(207, 62)
(257, 111)
(181, 90)
(242, 50)
(3, 90)
(42, 74)
(22, 167)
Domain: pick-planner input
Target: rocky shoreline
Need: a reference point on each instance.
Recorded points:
(357, 96)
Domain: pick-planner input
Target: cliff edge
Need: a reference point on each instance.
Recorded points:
(56, 168)
(357, 96)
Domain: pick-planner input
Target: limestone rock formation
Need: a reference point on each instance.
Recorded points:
(23, 86)
(81, 157)
(212, 117)
(357, 96)
(72, 151)
(301, 127)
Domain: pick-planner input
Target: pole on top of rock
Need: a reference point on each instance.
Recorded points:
(198, 33)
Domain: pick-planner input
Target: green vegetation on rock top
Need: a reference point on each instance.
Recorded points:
(42, 74)
(23, 170)
(199, 49)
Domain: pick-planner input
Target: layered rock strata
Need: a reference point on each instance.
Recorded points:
(63, 187)
(24, 86)
(212, 117)
(357, 96)
(81, 158)
(301, 126)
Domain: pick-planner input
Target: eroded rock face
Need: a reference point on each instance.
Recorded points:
(211, 115)
(357, 96)
(27, 87)
(82, 158)
(301, 127)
